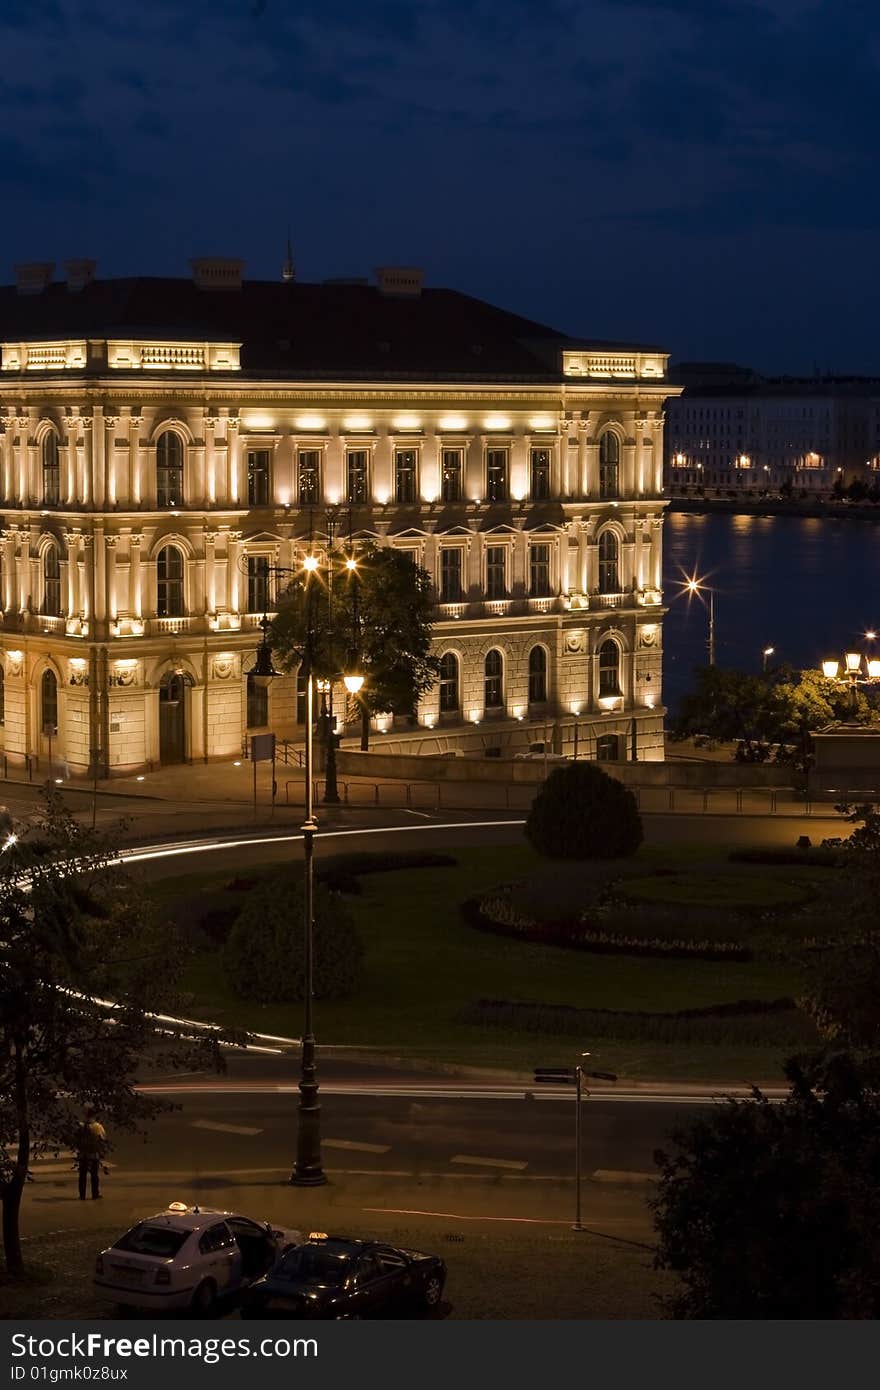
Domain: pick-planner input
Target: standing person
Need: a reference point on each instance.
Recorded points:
(91, 1143)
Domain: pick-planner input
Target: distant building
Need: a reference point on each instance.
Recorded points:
(165, 442)
(732, 429)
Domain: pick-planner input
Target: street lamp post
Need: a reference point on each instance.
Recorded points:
(853, 663)
(307, 1169)
(768, 651)
(696, 586)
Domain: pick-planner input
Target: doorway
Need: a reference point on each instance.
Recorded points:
(172, 717)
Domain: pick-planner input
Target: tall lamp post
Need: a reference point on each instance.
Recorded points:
(696, 586)
(768, 651)
(853, 666)
(307, 1169)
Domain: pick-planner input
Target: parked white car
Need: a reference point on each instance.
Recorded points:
(536, 754)
(189, 1257)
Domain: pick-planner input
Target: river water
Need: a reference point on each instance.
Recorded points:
(809, 587)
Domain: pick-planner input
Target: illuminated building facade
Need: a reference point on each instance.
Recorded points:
(164, 443)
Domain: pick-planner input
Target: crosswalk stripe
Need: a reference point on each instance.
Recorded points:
(224, 1129)
(488, 1162)
(355, 1145)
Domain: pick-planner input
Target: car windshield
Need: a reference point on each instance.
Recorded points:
(161, 1241)
(314, 1264)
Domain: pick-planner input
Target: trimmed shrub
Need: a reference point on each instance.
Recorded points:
(264, 956)
(745, 1023)
(582, 813)
(629, 935)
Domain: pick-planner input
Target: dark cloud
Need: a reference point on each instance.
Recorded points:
(616, 166)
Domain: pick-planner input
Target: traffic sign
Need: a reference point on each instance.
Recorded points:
(566, 1076)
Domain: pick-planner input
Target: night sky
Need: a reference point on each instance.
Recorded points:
(697, 173)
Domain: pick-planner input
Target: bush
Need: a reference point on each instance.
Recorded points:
(582, 813)
(746, 1023)
(264, 956)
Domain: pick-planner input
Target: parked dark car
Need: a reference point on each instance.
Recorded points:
(335, 1277)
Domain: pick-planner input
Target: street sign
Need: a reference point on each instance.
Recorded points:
(566, 1076)
(262, 748)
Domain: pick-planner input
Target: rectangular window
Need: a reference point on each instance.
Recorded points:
(405, 476)
(496, 475)
(309, 471)
(356, 467)
(257, 705)
(496, 571)
(540, 475)
(257, 584)
(450, 575)
(452, 467)
(258, 464)
(539, 571)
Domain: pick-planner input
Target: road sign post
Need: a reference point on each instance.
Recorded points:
(574, 1076)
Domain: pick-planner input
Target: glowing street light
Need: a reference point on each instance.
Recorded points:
(696, 587)
(768, 651)
(852, 672)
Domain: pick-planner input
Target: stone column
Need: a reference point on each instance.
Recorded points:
(111, 460)
(99, 454)
(99, 582)
(210, 576)
(209, 425)
(85, 564)
(135, 600)
(111, 544)
(233, 486)
(87, 492)
(72, 539)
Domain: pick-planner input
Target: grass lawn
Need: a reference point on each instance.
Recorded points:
(492, 1274)
(424, 965)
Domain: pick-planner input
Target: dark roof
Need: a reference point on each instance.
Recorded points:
(301, 330)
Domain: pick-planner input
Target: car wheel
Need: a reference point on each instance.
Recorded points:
(204, 1300)
(433, 1291)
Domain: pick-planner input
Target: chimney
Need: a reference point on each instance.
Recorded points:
(33, 276)
(79, 274)
(400, 280)
(217, 273)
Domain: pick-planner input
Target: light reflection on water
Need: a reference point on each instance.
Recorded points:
(807, 586)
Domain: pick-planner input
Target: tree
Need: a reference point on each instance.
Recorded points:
(763, 712)
(773, 1210)
(265, 951)
(729, 706)
(582, 813)
(75, 929)
(380, 614)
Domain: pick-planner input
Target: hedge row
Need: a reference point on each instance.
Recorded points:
(342, 872)
(817, 857)
(499, 915)
(748, 1022)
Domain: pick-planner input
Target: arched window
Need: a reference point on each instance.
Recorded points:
(51, 474)
(608, 748)
(537, 676)
(169, 575)
(494, 679)
(169, 470)
(609, 553)
(609, 465)
(51, 582)
(448, 683)
(2, 696)
(49, 702)
(257, 704)
(609, 668)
